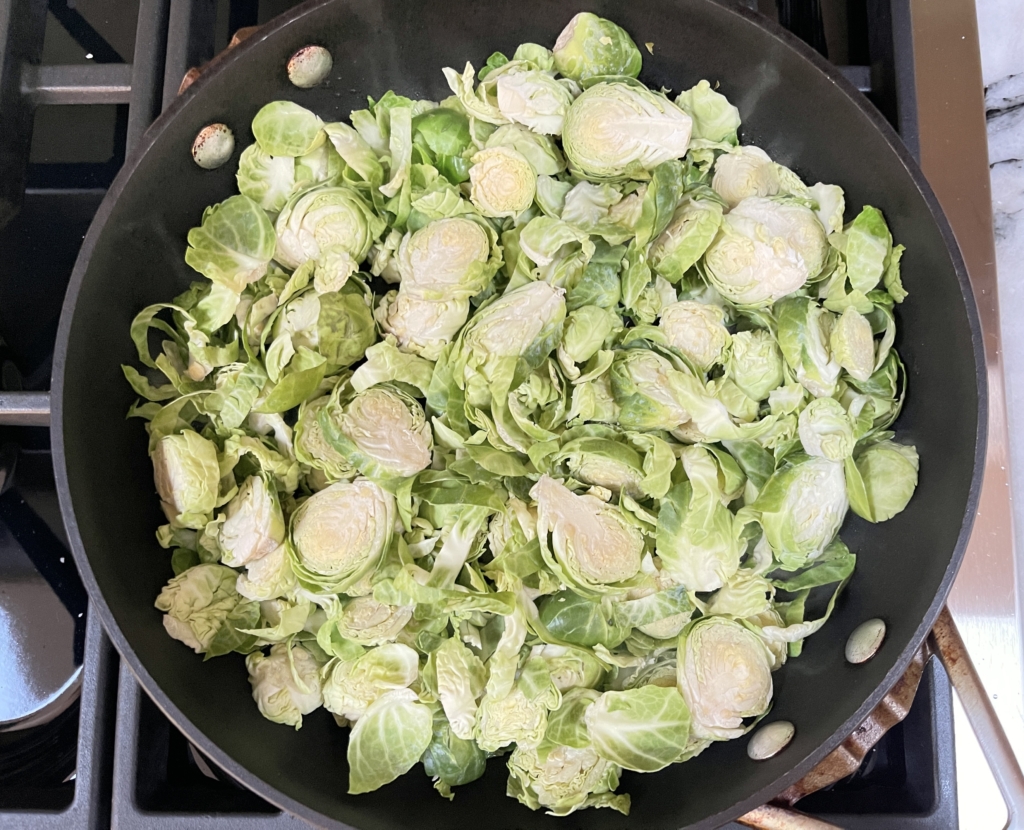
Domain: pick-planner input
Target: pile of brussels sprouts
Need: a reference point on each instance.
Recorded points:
(522, 423)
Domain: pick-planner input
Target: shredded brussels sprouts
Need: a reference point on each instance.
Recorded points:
(521, 423)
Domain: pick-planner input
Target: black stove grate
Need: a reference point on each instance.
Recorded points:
(113, 759)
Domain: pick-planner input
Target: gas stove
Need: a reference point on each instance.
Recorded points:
(80, 745)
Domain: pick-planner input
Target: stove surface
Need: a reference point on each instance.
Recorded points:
(111, 758)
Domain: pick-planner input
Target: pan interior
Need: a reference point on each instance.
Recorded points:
(133, 257)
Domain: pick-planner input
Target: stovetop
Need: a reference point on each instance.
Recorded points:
(110, 757)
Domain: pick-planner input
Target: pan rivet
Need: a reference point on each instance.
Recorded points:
(865, 641)
(213, 146)
(770, 740)
(309, 66)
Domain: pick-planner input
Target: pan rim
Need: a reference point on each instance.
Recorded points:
(263, 788)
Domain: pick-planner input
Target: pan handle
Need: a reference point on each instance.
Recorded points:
(946, 643)
(773, 817)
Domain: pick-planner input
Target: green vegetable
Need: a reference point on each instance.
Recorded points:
(522, 422)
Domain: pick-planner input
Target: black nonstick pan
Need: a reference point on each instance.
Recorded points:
(795, 106)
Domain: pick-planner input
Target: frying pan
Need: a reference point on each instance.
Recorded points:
(795, 106)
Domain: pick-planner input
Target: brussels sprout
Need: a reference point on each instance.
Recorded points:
(502, 182)
(339, 534)
(603, 462)
(253, 526)
(643, 729)
(513, 323)
(885, 479)
(372, 623)
(422, 327)
(445, 131)
(344, 327)
(203, 610)
(724, 676)
(234, 244)
(570, 667)
(743, 172)
(643, 385)
(534, 99)
(868, 245)
(564, 779)
(853, 344)
(616, 130)
(451, 761)
(698, 540)
(286, 684)
(322, 218)
(764, 250)
(187, 476)
(314, 450)
(586, 330)
(267, 578)
(602, 210)
(559, 250)
(801, 509)
(382, 431)
(582, 622)
(592, 545)
(351, 686)
(283, 128)
(540, 150)
(804, 333)
(446, 260)
(826, 430)
(388, 740)
(599, 285)
(590, 45)
(697, 330)
(460, 679)
(689, 233)
(714, 118)
(267, 180)
(754, 363)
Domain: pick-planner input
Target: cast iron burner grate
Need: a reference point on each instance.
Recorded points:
(112, 758)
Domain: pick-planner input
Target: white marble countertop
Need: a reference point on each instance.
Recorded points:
(1000, 25)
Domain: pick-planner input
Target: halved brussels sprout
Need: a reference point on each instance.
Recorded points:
(283, 128)
(254, 524)
(502, 182)
(563, 779)
(314, 450)
(187, 476)
(699, 541)
(339, 534)
(286, 684)
(714, 118)
(445, 260)
(203, 610)
(326, 218)
(590, 45)
(887, 474)
(825, 430)
(617, 130)
(267, 180)
(592, 545)
(583, 622)
(689, 233)
(801, 509)
(743, 172)
(371, 623)
(853, 344)
(422, 327)
(764, 250)
(755, 363)
(234, 244)
(697, 330)
(352, 686)
(643, 729)
(534, 99)
(724, 675)
(383, 431)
